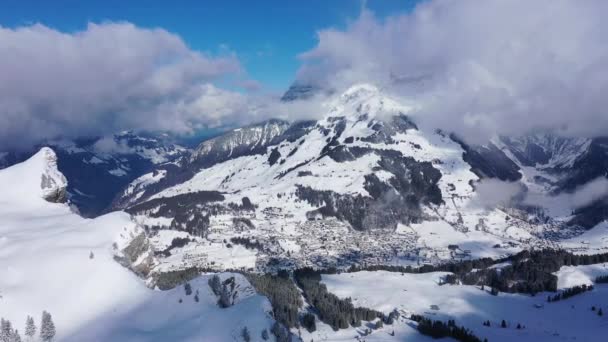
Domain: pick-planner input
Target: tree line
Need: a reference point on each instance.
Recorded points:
(570, 292)
(337, 313)
(283, 295)
(603, 279)
(528, 272)
(440, 329)
(47, 329)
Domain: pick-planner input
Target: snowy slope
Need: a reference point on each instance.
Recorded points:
(52, 259)
(566, 320)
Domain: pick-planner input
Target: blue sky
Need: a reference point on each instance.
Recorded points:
(266, 35)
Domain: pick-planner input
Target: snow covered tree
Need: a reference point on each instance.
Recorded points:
(280, 332)
(47, 327)
(215, 284)
(30, 327)
(245, 334)
(15, 336)
(265, 335)
(6, 330)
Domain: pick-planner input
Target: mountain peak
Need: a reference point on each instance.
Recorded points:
(366, 100)
(36, 177)
(361, 89)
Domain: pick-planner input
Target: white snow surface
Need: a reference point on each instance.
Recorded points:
(566, 320)
(46, 264)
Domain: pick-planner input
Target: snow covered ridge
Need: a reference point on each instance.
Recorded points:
(36, 178)
(52, 260)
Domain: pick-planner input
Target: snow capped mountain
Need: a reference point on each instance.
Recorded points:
(546, 151)
(34, 180)
(238, 142)
(300, 91)
(52, 259)
(365, 177)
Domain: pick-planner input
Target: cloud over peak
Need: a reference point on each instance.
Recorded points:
(480, 68)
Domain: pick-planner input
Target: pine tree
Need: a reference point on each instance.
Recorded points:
(30, 327)
(600, 312)
(503, 324)
(265, 335)
(215, 284)
(47, 327)
(245, 334)
(6, 330)
(15, 337)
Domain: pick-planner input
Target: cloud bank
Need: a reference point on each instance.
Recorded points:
(491, 193)
(480, 68)
(109, 77)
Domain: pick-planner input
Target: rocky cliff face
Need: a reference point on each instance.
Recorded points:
(52, 182)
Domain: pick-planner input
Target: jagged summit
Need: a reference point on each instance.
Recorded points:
(34, 179)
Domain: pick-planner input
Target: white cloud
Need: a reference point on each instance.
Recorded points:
(589, 192)
(480, 68)
(565, 203)
(491, 193)
(107, 78)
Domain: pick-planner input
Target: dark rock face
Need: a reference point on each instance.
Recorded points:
(590, 215)
(398, 201)
(489, 162)
(295, 131)
(589, 166)
(249, 140)
(384, 131)
(299, 91)
(57, 195)
(530, 154)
